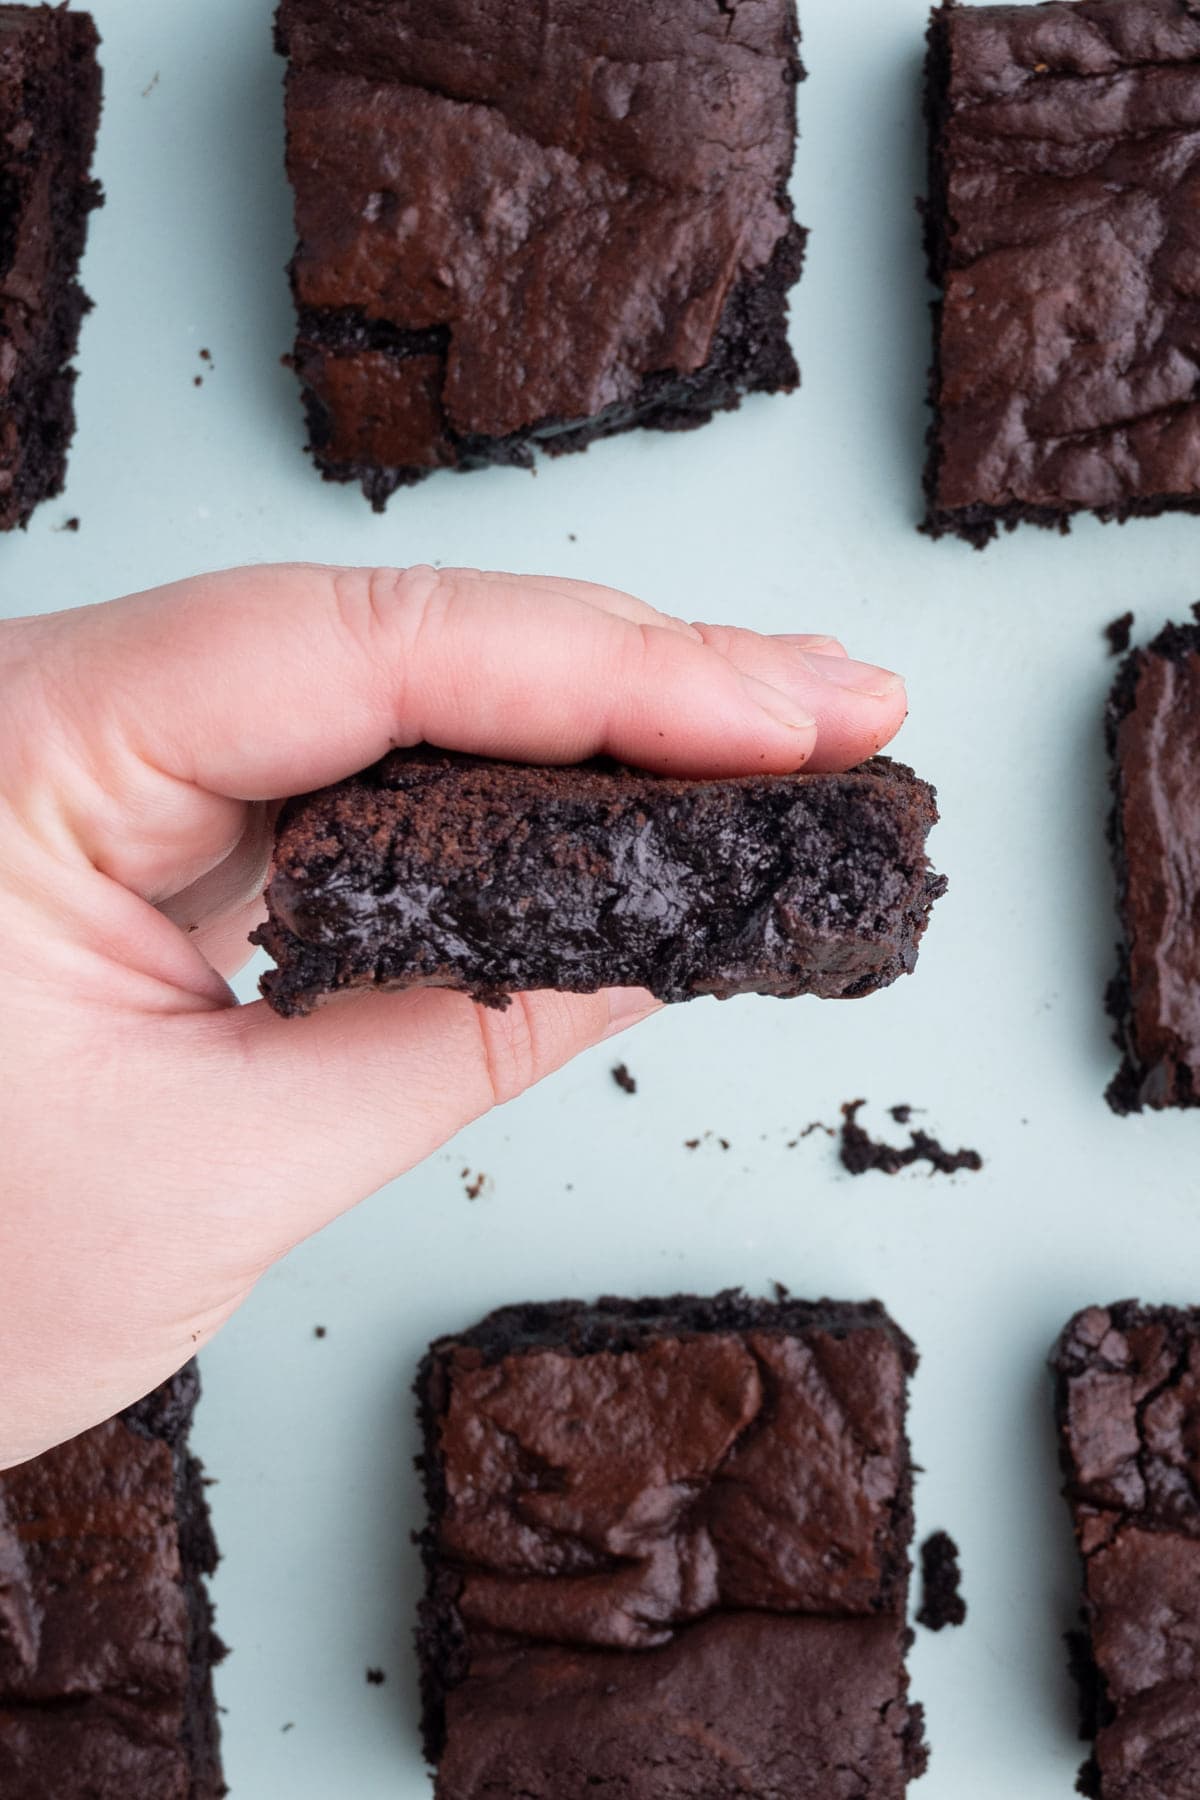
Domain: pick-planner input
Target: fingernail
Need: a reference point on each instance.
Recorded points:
(860, 678)
(626, 1006)
(800, 640)
(779, 705)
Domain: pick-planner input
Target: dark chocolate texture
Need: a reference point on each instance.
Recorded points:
(1153, 730)
(432, 869)
(1060, 227)
(526, 226)
(942, 1603)
(106, 1639)
(1128, 1408)
(668, 1552)
(49, 113)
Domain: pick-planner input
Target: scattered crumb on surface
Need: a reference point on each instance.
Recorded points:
(206, 356)
(691, 1143)
(941, 1579)
(290, 1726)
(68, 525)
(477, 1185)
(1118, 634)
(706, 1137)
(197, 381)
(319, 1331)
(813, 1125)
(860, 1152)
(902, 1114)
(151, 85)
(624, 1079)
(376, 1677)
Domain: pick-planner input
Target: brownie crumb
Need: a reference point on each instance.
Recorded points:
(624, 1080)
(319, 1331)
(149, 89)
(198, 381)
(475, 1187)
(376, 1677)
(860, 1151)
(68, 525)
(290, 1726)
(571, 538)
(691, 1143)
(902, 1114)
(206, 356)
(942, 1603)
(1118, 634)
(813, 1125)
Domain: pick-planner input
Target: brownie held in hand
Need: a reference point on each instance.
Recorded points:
(436, 869)
(534, 225)
(1128, 1402)
(1061, 228)
(49, 112)
(668, 1553)
(1154, 740)
(106, 1641)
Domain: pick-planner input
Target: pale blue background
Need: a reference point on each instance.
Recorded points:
(793, 514)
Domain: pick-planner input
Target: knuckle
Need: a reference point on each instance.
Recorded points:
(380, 609)
(508, 1044)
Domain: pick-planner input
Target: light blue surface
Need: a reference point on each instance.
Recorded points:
(793, 514)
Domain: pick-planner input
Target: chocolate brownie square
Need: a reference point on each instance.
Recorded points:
(1061, 229)
(667, 1552)
(534, 226)
(106, 1640)
(1128, 1405)
(49, 113)
(433, 869)
(1153, 728)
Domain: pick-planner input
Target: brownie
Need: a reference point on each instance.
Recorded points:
(1060, 227)
(49, 113)
(1153, 729)
(534, 226)
(1128, 1405)
(433, 869)
(667, 1552)
(106, 1640)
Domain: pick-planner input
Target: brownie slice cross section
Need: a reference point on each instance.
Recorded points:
(668, 1552)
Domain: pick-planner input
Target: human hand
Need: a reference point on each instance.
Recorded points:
(161, 1146)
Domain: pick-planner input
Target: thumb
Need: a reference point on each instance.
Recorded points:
(341, 1102)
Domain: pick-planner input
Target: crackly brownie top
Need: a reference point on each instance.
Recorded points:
(1129, 1416)
(607, 1474)
(1069, 159)
(570, 192)
(90, 1595)
(1154, 731)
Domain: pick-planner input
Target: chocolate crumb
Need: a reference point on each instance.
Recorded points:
(691, 1143)
(902, 1114)
(571, 538)
(206, 356)
(1118, 634)
(68, 525)
(319, 1331)
(860, 1151)
(624, 1080)
(290, 1726)
(473, 1189)
(724, 1143)
(376, 1677)
(941, 1602)
(198, 381)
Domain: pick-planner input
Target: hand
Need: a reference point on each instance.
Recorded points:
(161, 1146)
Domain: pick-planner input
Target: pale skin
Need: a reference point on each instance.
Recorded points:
(161, 1146)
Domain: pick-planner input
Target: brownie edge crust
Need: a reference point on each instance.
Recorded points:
(667, 1552)
(435, 869)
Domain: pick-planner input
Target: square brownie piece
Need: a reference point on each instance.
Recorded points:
(106, 1640)
(667, 1552)
(49, 113)
(534, 225)
(439, 870)
(1153, 728)
(1061, 229)
(1128, 1405)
